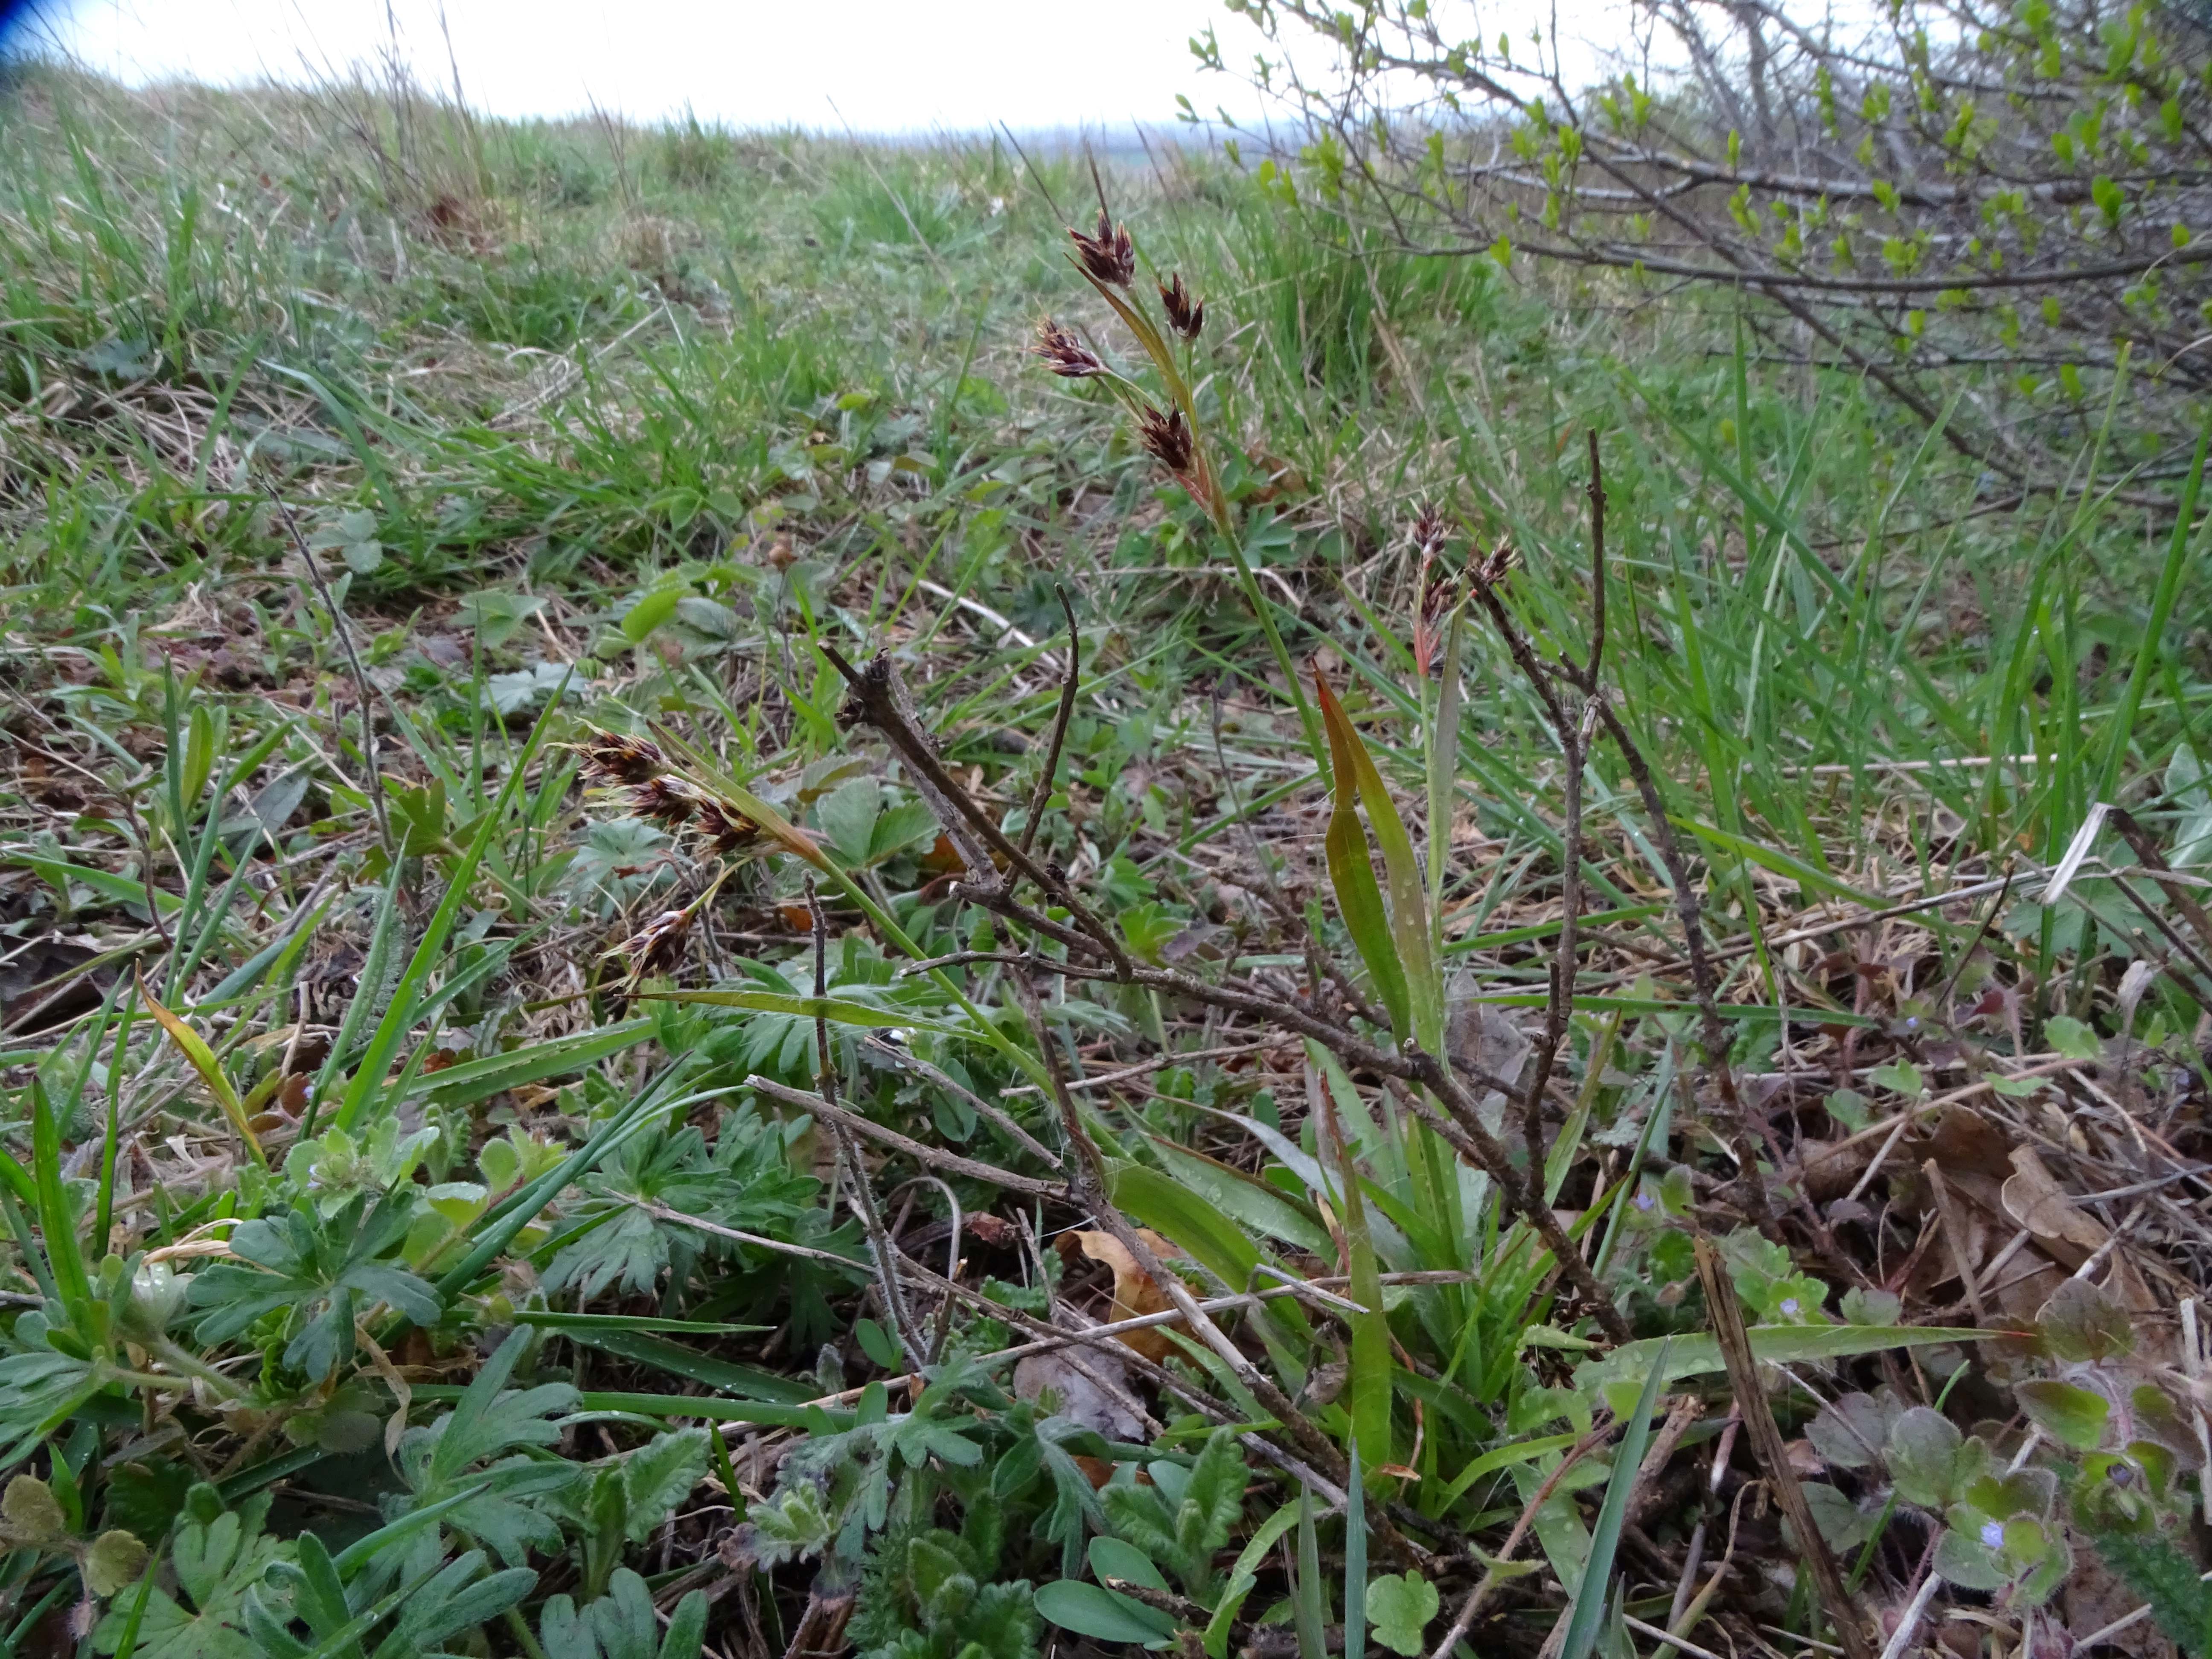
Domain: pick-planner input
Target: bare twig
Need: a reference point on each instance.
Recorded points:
(1712, 1033)
(1005, 1119)
(878, 701)
(1042, 793)
(2148, 855)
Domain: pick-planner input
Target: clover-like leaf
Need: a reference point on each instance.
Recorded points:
(1398, 1609)
(1850, 1432)
(1841, 1521)
(2082, 1324)
(2023, 1491)
(1970, 1558)
(2070, 1037)
(1922, 1443)
(2072, 1416)
(1861, 1306)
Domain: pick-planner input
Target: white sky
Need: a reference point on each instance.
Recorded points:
(888, 65)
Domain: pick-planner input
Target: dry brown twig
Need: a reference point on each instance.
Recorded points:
(1773, 1456)
(1570, 728)
(878, 701)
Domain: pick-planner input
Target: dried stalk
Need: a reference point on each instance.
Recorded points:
(1042, 793)
(879, 701)
(1774, 1456)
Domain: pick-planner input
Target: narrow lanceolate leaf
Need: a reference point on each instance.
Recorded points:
(1308, 1608)
(1355, 1562)
(63, 1253)
(195, 1050)
(1592, 1595)
(1409, 906)
(1697, 1353)
(1370, 1384)
(1353, 875)
(479, 1080)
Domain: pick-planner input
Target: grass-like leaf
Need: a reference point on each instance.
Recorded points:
(1591, 1595)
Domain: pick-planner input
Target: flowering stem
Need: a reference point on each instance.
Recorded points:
(1204, 484)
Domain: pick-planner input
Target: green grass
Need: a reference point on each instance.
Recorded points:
(644, 419)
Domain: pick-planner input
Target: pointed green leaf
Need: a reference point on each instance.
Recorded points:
(1409, 906)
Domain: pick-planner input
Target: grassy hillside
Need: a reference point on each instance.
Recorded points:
(530, 1099)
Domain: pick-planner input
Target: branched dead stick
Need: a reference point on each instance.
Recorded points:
(1559, 1000)
(1042, 792)
(2195, 957)
(1712, 1034)
(1574, 733)
(864, 1201)
(362, 687)
(991, 894)
(1589, 676)
(1197, 1400)
(1773, 1456)
(876, 701)
(1464, 1128)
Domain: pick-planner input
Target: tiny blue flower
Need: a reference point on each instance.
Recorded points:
(1993, 1534)
(1643, 1200)
(1790, 1306)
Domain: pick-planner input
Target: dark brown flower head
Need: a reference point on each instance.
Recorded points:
(1438, 590)
(1109, 257)
(1064, 353)
(668, 801)
(658, 946)
(615, 757)
(1185, 315)
(1495, 566)
(1167, 439)
(1429, 531)
(726, 831)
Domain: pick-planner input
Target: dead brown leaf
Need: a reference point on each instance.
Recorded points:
(1135, 1293)
(2034, 1200)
